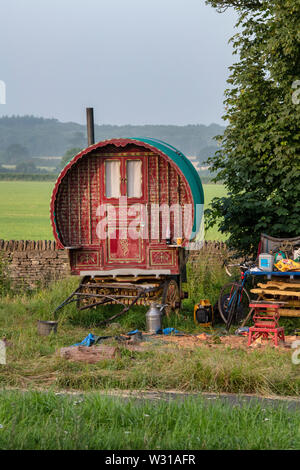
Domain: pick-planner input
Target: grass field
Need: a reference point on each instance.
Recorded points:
(33, 362)
(24, 210)
(38, 421)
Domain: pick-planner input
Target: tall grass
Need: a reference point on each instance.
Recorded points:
(4, 277)
(33, 360)
(204, 280)
(44, 421)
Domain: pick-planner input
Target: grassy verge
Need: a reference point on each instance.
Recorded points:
(33, 362)
(45, 421)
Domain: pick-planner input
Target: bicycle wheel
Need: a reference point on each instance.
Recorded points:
(232, 306)
(241, 308)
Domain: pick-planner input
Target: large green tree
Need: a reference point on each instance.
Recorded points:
(259, 158)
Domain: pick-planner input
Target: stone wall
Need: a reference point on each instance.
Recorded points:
(33, 263)
(36, 263)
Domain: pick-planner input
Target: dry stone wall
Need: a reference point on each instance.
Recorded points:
(30, 264)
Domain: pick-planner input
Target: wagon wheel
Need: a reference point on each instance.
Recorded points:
(171, 298)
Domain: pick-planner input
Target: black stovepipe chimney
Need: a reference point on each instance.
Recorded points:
(90, 126)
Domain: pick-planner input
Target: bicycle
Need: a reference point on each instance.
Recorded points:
(234, 299)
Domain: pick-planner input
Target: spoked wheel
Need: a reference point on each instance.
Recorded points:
(171, 298)
(228, 303)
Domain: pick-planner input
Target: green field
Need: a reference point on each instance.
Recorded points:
(24, 210)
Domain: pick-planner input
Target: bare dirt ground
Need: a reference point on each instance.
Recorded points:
(231, 341)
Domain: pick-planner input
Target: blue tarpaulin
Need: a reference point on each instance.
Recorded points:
(88, 341)
(167, 331)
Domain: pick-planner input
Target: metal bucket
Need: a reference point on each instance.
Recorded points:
(47, 327)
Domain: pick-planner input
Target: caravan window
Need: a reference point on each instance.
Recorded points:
(134, 178)
(112, 178)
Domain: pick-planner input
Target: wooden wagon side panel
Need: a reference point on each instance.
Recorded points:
(163, 196)
(153, 196)
(62, 211)
(95, 181)
(84, 194)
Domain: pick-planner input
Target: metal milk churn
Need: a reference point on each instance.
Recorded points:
(153, 318)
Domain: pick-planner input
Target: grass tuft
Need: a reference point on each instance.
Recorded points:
(46, 421)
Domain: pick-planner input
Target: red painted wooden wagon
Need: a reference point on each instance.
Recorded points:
(125, 209)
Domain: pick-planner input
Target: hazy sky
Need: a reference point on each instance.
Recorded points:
(135, 61)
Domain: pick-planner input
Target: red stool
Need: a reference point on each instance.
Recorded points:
(265, 319)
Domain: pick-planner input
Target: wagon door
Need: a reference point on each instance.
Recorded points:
(125, 191)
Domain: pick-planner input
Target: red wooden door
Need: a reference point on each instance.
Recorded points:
(124, 194)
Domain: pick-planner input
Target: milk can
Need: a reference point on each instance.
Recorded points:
(153, 318)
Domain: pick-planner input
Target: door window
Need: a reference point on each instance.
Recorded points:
(134, 178)
(112, 178)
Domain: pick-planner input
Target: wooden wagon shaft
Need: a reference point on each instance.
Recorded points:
(125, 310)
(276, 292)
(104, 295)
(76, 293)
(68, 300)
(289, 313)
(119, 286)
(281, 285)
(107, 300)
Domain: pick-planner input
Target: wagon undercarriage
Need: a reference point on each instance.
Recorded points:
(95, 292)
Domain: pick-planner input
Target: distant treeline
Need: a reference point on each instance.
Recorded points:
(22, 138)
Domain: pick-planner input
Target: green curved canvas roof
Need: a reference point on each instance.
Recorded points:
(187, 169)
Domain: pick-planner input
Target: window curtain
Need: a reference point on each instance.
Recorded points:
(134, 178)
(112, 179)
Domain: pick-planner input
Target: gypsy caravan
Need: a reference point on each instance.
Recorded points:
(125, 209)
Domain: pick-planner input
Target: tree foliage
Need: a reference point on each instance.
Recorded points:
(222, 5)
(259, 159)
(69, 154)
